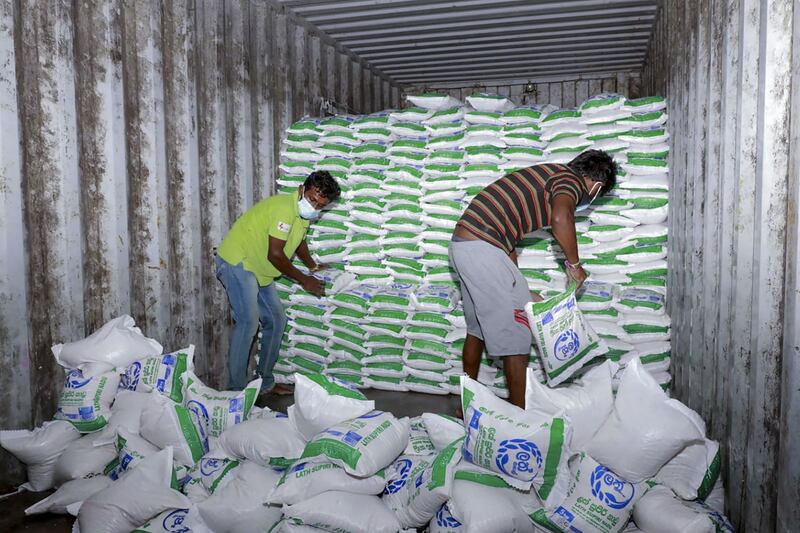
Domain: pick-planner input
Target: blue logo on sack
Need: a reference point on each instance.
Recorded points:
(200, 417)
(515, 458)
(567, 345)
(445, 519)
(609, 489)
(371, 414)
(173, 522)
(130, 378)
(403, 468)
(236, 405)
(209, 467)
(75, 379)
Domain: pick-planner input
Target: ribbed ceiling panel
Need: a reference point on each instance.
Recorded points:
(429, 42)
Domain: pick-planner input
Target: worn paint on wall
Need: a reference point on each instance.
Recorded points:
(134, 133)
(561, 93)
(731, 74)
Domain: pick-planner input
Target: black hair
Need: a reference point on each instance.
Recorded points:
(598, 166)
(324, 183)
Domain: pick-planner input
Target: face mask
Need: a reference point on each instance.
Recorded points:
(307, 210)
(587, 200)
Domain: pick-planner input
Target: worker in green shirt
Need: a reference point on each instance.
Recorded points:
(258, 249)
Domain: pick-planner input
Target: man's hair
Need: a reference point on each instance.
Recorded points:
(598, 166)
(324, 183)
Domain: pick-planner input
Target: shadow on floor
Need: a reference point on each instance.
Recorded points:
(13, 519)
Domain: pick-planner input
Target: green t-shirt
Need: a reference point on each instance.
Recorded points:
(247, 241)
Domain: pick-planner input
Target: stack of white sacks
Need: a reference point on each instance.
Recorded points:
(392, 318)
(153, 450)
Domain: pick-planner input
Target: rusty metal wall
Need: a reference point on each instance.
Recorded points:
(134, 132)
(567, 91)
(731, 72)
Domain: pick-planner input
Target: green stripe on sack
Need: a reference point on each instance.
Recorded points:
(554, 449)
(344, 366)
(387, 379)
(228, 467)
(567, 364)
(332, 449)
(334, 388)
(422, 381)
(176, 390)
(489, 480)
(643, 328)
(638, 303)
(250, 394)
(309, 366)
(347, 312)
(710, 478)
(437, 332)
(281, 462)
(439, 466)
(400, 342)
(311, 324)
(654, 358)
(540, 519)
(190, 433)
(91, 425)
(418, 356)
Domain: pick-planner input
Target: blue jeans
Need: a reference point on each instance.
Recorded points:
(251, 305)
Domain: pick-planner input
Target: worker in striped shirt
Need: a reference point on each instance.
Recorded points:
(483, 254)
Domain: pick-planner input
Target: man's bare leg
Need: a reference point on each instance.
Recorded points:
(471, 355)
(471, 361)
(515, 368)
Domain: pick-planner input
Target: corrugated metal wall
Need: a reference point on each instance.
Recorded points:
(732, 75)
(134, 132)
(559, 92)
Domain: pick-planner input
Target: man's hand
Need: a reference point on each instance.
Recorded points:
(577, 273)
(313, 285)
(320, 266)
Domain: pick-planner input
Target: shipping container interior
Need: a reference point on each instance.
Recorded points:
(135, 132)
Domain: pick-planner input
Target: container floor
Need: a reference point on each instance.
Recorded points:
(13, 519)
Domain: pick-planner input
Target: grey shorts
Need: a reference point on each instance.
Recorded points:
(494, 292)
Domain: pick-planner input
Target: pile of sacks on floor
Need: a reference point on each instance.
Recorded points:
(140, 444)
(393, 317)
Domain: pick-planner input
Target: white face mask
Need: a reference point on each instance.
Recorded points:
(307, 210)
(592, 197)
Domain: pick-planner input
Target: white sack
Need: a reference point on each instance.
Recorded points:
(597, 500)
(660, 511)
(238, 507)
(213, 410)
(586, 403)
(343, 511)
(514, 443)
(363, 445)
(305, 480)
(69, 496)
(39, 449)
(166, 423)
(645, 429)
(117, 343)
(134, 499)
(323, 401)
(442, 429)
(86, 401)
(271, 441)
(162, 373)
(85, 457)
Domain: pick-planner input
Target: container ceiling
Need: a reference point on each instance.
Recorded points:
(433, 42)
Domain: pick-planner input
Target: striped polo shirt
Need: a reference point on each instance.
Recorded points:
(519, 203)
